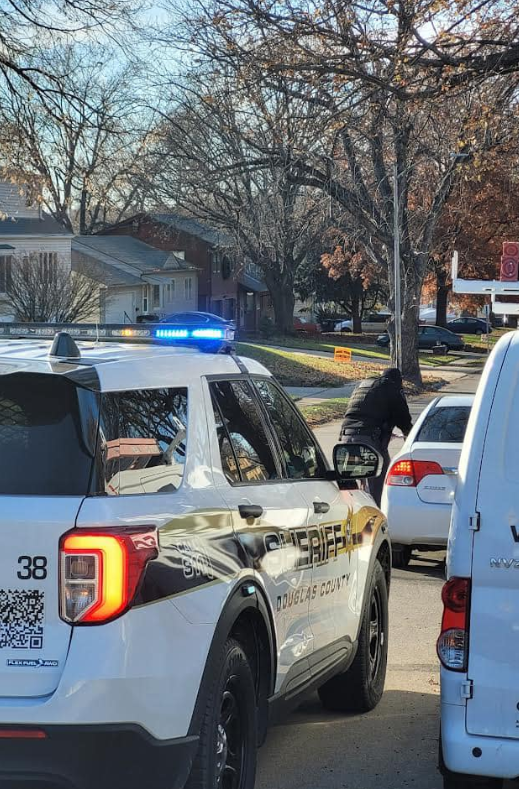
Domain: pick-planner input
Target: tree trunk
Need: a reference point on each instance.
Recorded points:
(356, 314)
(283, 301)
(442, 294)
(412, 281)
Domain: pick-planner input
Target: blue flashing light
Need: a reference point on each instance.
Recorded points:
(208, 334)
(172, 334)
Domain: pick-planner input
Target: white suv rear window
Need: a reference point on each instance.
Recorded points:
(48, 428)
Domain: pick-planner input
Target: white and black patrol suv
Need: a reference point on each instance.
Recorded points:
(178, 562)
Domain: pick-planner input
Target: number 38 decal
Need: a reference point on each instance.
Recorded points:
(33, 567)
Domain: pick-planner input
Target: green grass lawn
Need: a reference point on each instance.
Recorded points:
(297, 369)
(325, 411)
(478, 342)
(355, 343)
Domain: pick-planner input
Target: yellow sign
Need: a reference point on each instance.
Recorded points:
(342, 355)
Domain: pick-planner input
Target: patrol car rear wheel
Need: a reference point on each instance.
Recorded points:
(226, 757)
(360, 688)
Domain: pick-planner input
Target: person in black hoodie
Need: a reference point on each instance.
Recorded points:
(376, 407)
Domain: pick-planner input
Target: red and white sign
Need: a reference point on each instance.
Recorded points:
(510, 262)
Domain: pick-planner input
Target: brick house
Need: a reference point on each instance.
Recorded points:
(233, 291)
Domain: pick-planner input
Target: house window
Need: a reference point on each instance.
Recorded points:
(5, 273)
(156, 296)
(145, 299)
(170, 291)
(48, 266)
(216, 263)
(188, 288)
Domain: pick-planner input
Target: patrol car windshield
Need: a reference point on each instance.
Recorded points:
(48, 429)
(445, 425)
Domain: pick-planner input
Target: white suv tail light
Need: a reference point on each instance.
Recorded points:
(101, 571)
(408, 473)
(452, 645)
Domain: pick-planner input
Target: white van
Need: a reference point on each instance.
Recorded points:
(479, 640)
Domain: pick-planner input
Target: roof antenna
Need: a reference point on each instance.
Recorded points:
(64, 347)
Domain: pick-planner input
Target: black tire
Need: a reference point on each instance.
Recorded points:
(226, 756)
(360, 688)
(401, 555)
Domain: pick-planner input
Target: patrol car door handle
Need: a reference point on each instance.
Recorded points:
(250, 510)
(320, 507)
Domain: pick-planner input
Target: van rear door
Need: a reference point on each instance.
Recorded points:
(494, 613)
(48, 430)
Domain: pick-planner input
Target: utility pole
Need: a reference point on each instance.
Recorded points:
(397, 282)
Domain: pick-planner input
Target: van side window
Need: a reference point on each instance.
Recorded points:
(143, 440)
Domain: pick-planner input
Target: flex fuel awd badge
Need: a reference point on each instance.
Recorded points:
(19, 663)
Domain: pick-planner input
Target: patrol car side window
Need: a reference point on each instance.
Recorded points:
(238, 412)
(143, 435)
(303, 458)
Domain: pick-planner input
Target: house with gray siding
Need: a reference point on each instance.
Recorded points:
(27, 233)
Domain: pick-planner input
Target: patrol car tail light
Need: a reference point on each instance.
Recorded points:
(101, 571)
(409, 473)
(452, 645)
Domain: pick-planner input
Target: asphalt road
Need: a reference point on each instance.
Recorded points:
(396, 745)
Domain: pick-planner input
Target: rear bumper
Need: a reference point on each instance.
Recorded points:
(499, 756)
(96, 757)
(413, 522)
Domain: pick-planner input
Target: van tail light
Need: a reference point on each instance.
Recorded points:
(452, 645)
(408, 473)
(101, 571)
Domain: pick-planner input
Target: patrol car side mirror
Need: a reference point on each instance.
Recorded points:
(356, 461)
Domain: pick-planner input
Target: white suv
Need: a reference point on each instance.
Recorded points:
(178, 563)
(479, 640)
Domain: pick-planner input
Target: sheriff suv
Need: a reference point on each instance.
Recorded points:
(178, 561)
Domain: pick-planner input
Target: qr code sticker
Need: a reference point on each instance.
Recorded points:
(21, 619)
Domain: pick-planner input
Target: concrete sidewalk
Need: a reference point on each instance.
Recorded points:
(311, 395)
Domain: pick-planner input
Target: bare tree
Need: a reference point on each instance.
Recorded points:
(381, 80)
(47, 291)
(210, 168)
(29, 28)
(82, 159)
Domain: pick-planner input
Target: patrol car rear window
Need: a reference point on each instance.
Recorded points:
(48, 429)
(143, 436)
(445, 425)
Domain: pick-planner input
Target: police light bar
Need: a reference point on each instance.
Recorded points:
(210, 338)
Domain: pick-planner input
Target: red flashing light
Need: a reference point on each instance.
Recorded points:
(22, 734)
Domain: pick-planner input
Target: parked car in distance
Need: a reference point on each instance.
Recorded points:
(304, 326)
(344, 326)
(430, 337)
(469, 326)
(421, 481)
(198, 318)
